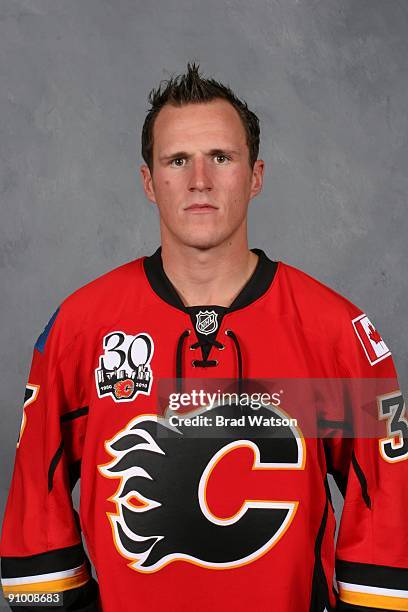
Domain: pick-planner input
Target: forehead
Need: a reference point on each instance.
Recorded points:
(215, 122)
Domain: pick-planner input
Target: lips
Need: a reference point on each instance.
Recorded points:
(205, 206)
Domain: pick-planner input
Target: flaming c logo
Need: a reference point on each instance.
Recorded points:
(163, 512)
(124, 388)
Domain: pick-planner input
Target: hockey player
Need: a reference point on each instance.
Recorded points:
(181, 519)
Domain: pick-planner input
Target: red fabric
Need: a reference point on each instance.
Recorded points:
(298, 329)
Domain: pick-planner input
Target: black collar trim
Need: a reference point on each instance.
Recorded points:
(255, 287)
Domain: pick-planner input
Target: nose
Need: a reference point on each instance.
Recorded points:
(200, 177)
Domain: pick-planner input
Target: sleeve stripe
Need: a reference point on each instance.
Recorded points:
(362, 479)
(74, 414)
(381, 576)
(374, 590)
(57, 584)
(57, 560)
(53, 465)
(373, 597)
(43, 577)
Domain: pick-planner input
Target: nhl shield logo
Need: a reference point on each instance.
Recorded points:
(207, 322)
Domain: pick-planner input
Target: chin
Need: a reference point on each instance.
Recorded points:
(203, 242)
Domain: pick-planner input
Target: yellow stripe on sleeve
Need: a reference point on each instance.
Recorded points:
(373, 601)
(50, 586)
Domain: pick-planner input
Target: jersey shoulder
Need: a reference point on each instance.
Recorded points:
(98, 301)
(114, 282)
(315, 304)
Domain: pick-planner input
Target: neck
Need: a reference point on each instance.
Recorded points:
(211, 276)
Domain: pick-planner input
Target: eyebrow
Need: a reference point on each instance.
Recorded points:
(209, 153)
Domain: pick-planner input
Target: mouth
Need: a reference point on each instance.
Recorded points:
(201, 207)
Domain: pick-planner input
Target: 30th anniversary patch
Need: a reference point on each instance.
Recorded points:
(124, 367)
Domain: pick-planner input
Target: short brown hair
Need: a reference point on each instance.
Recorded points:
(192, 88)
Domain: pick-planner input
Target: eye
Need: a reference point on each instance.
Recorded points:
(221, 157)
(177, 159)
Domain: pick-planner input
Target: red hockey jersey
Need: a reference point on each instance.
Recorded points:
(182, 518)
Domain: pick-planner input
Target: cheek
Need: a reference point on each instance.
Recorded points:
(167, 184)
(164, 188)
(238, 187)
(239, 179)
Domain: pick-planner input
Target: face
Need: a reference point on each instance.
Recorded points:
(201, 179)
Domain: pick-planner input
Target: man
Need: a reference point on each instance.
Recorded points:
(180, 516)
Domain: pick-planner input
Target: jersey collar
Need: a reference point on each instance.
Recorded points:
(255, 287)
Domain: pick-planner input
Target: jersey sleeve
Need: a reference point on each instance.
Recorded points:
(41, 547)
(372, 472)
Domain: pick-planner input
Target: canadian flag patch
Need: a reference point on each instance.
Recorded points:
(371, 341)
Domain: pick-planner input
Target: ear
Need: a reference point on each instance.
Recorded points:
(257, 177)
(147, 181)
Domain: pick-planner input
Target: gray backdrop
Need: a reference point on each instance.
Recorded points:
(328, 80)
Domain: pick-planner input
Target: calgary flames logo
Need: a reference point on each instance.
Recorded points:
(163, 509)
